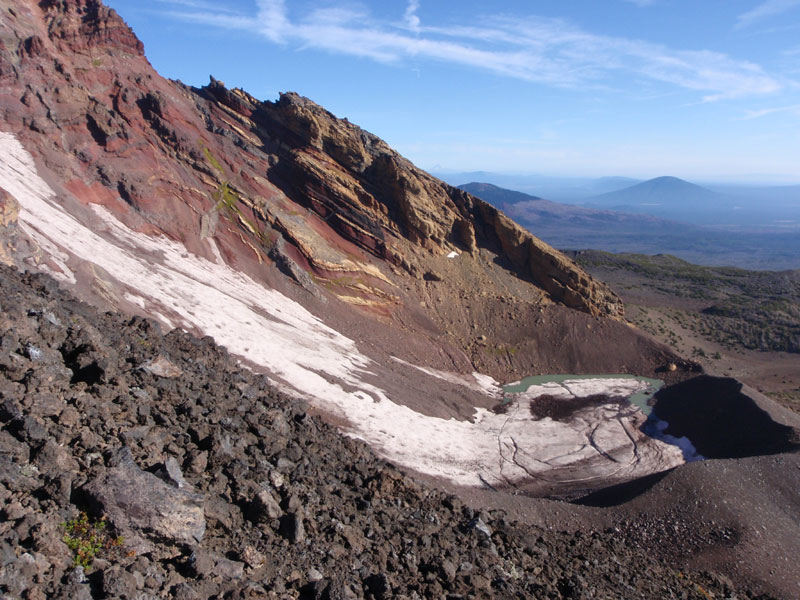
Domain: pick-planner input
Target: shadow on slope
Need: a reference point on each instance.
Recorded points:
(620, 494)
(720, 420)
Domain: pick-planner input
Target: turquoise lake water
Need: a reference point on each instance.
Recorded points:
(640, 399)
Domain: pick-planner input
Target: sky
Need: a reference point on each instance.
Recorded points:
(705, 90)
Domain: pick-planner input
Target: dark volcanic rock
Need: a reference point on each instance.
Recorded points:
(292, 528)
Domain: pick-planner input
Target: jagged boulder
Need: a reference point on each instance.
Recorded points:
(136, 501)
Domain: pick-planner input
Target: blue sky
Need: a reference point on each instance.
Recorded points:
(700, 89)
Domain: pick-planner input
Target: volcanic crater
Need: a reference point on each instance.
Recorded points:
(389, 303)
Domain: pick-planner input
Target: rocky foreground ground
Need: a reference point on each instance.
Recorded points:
(214, 485)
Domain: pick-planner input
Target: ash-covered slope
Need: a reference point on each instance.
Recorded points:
(222, 487)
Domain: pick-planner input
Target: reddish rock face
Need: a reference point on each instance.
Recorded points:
(371, 232)
(84, 25)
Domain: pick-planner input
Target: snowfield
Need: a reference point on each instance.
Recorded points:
(600, 442)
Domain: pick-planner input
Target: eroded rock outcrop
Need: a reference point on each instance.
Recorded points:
(81, 25)
(370, 193)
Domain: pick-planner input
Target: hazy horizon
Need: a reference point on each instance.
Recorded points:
(754, 180)
(742, 180)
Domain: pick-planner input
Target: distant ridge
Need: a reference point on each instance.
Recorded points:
(496, 195)
(536, 212)
(570, 190)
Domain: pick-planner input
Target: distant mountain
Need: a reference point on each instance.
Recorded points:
(733, 207)
(750, 209)
(497, 196)
(661, 193)
(571, 190)
(545, 217)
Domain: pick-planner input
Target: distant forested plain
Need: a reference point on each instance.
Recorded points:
(757, 310)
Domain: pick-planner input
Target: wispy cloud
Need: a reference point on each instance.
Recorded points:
(764, 10)
(197, 5)
(756, 114)
(542, 50)
(642, 2)
(411, 18)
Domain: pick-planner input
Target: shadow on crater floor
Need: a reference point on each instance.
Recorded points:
(720, 420)
(619, 494)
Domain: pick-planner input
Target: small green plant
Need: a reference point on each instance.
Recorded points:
(214, 162)
(225, 197)
(87, 539)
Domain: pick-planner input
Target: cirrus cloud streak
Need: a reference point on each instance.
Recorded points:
(545, 51)
(765, 10)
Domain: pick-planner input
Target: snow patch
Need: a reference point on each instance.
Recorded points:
(215, 250)
(656, 428)
(134, 299)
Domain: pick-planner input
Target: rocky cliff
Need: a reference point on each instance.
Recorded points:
(378, 199)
